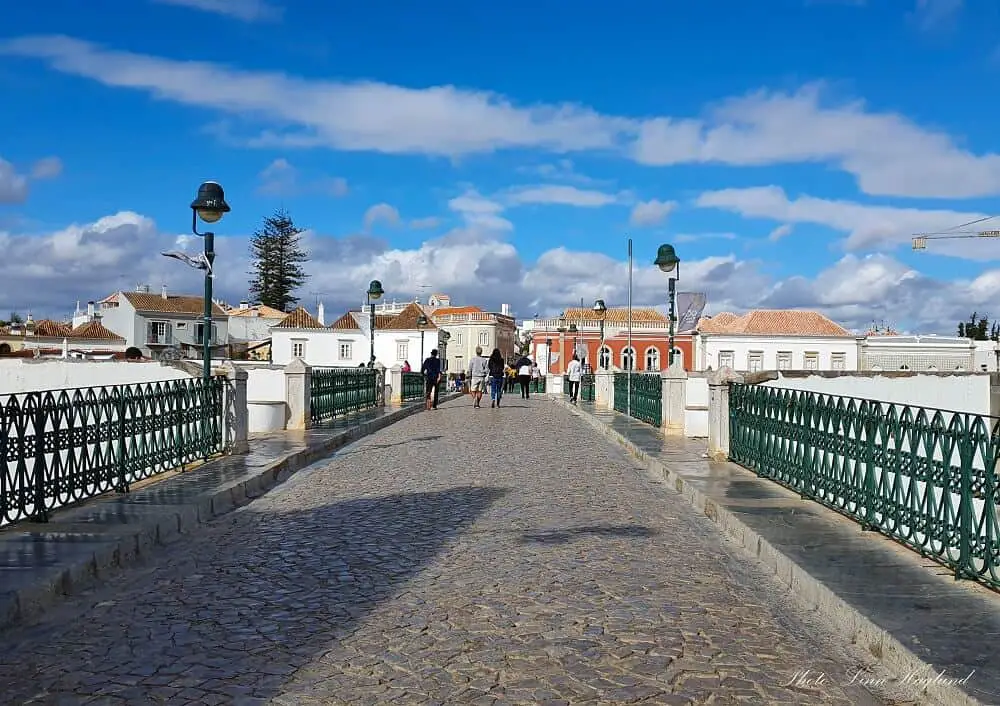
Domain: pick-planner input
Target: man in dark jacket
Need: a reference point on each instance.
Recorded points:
(431, 370)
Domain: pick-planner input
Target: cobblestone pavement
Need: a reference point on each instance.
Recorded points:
(458, 557)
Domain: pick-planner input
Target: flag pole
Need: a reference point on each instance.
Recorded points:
(631, 359)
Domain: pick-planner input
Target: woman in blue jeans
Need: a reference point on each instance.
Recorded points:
(496, 367)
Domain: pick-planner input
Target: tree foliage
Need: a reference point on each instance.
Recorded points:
(979, 328)
(277, 255)
(12, 318)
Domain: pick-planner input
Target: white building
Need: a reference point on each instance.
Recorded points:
(161, 325)
(921, 353)
(45, 338)
(769, 339)
(253, 324)
(347, 342)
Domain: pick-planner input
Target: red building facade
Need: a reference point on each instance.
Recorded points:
(650, 341)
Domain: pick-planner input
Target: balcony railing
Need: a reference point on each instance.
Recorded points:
(162, 337)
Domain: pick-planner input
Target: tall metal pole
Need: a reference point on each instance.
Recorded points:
(673, 299)
(371, 307)
(631, 359)
(206, 344)
(421, 346)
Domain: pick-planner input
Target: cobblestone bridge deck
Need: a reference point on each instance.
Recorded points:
(458, 556)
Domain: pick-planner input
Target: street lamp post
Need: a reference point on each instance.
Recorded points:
(667, 261)
(421, 323)
(602, 314)
(561, 328)
(996, 352)
(210, 205)
(375, 293)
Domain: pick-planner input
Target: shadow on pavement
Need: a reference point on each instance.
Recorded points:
(405, 442)
(567, 535)
(239, 617)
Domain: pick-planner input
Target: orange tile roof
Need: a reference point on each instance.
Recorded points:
(300, 318)
(52, 329)
(347, 322)
(446, 310)
(173, 304)
(262, 310)
(617, 315)
(95, 330)
(773, 322)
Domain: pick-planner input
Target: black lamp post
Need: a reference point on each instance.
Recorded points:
(667, 261)
(375, 293)
(573, 330)
(421, 323)
(210, 205)
(602, 312)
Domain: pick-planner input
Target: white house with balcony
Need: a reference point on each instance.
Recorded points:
(346, 343)
(774, 339)
(470, 327)
(162, 325)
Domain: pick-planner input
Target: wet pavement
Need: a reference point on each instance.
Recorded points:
(952, 625)
(456, 557)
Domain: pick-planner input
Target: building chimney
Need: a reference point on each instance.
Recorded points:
(244, 305)
(90, 311)
(29, 325)
(505, 309)
(321, 314)
(163, 291)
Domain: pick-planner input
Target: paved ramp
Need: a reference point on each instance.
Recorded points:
(458, 557)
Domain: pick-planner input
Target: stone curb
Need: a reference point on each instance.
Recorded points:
(135, 540)
(885, 648)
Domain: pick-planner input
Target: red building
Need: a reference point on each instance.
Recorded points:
(650, 340)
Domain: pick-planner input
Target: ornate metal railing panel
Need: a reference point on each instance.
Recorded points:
(413, 386)
(537, 385)
(647, 396)
(62, 446)
(925, 477)
(588, 388)
(337, 391)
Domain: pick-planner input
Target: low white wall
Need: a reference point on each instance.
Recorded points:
(959, 392)
(265, 383)
(696, 407)
(21, 375)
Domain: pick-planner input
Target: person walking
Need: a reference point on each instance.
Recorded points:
(431, 370)
(536, 376)
(479, 370)
(524, 376)
(498, 374)
(574, 373)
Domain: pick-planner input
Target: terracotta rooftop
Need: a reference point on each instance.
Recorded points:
(45, 328)
(347, 322)
(173, 304)
(262, 310)
(95, 331)
(447, 310)
(300, 318)
(773, 322)
(617, 315)
(405, 320)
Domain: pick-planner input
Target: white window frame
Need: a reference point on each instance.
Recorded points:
(604, 358)
(784, 360)
(755, 357)
(625, 356)
(403, 349)
(652, 361)
(678, 356)
(345, 350)
(484, 338)
(299, 344)
(812, 356)
(838, 361)
(727, 359)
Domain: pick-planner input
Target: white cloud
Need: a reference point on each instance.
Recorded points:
(425, 223)
(696, 237)
(887, 153)
(480, 213)
(47, 168)
(651, 213)
(381, 213)
(48, 272)
(245, 10)
(281, 178)
(13, 186)
(559, 194)
(782, 231)
(867, 227)
(933, 14)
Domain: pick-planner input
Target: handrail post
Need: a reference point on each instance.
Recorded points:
(966, 523)
(38, 419)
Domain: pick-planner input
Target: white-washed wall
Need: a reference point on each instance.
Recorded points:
(265, 383)
(961, 392)
(696, 407)
(20, 375)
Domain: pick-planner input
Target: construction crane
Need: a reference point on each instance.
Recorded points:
(920, 239)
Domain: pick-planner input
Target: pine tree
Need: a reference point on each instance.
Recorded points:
(277, 258)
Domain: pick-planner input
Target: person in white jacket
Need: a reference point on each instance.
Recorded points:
(574, 372)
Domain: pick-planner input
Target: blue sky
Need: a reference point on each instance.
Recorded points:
(504, 153)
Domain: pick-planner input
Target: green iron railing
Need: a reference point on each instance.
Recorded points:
(337, 391)
(924, 477)
(537, 385)
(62, 446)
(413, 386)
(647, 396)
(588, 387)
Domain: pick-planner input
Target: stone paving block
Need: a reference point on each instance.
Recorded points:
(460, 556)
